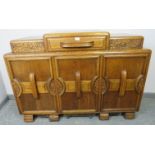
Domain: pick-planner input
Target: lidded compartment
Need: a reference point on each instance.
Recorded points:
(27, 45)
(126, 42)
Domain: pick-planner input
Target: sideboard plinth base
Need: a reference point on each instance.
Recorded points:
(129, 115)
(104, 116)
(28, 118)
(54, 117)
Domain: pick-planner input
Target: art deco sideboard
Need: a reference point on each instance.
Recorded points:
(78, 73)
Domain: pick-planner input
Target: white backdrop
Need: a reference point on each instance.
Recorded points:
(7, 35)
(2, 90)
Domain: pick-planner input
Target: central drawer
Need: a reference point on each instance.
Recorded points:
(76, 41)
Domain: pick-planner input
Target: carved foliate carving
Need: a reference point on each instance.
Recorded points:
(100, 85)
(56, 86)
(125, 43)
(16, 87)
(139, 84)
(25, 46)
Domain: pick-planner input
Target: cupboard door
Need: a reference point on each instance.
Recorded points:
(29, 77)
(126, 74)
(78, 73)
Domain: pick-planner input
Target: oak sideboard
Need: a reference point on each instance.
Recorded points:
(78, 73)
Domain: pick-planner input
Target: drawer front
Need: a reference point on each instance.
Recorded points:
(126, 76)
(76, 41)
(29, 77)
(77, 74)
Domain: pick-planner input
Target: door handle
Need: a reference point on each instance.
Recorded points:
(123, 83)
(78, 84)
(33, 85)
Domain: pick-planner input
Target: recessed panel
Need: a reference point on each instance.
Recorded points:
(22, 68)
(133, 65)
(87, 67)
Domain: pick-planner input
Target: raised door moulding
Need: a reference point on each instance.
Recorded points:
(100, 85)
(16, 88)
(139, 84)
(56, 86)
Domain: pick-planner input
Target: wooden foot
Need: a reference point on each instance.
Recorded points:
(28, 118)
(54, 117)
(129, 115)
(104, 116)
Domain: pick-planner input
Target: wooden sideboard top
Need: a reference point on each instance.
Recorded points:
(38, 44)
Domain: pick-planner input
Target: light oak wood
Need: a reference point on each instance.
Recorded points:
(78, 73)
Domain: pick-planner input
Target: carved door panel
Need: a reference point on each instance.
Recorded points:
(126, 75)
(80, 76)
(29, 77)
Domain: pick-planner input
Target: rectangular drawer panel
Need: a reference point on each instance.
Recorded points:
(76, 41)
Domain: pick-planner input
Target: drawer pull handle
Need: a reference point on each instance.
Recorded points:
(78, 84)
(76, 44)
(123, 83)
(33, 85)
